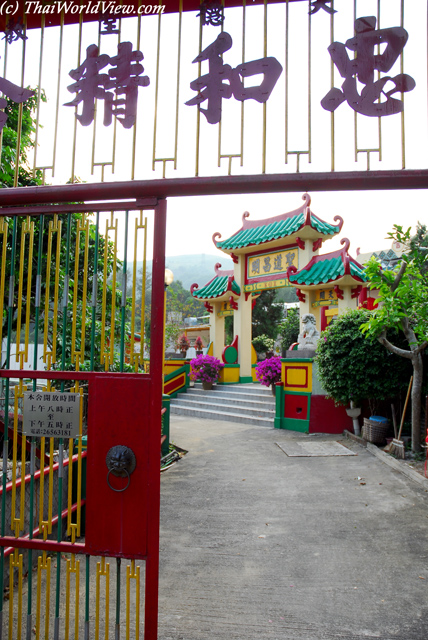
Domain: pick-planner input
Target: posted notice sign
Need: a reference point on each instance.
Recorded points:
(51, 414)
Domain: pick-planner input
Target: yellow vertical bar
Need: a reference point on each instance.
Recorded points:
(72, 567)
(17, 523)
(309, 86)
(136, 359)
(198, 113)
(79, 314)
(79, 54)
(51, 312)
(73, 529)
(43, 565)
(264, 103)
(155, 121)
(60, 43)
(403, 132)
(19, 128)
(27, 228)
(103, 570)
(332, 150)
(3, 232)
(107, 350)
(39, 85)
(132, 573)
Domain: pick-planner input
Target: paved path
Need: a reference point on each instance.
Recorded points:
(257, 545)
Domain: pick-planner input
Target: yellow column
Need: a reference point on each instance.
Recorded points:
(306, 307)
(347, 302)
(217, 330)
(242, 319)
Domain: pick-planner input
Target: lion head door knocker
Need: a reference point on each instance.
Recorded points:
(121, 463)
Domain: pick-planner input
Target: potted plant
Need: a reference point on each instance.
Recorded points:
(206, 369)
(268, 372)
(183, 343)
(199, 345)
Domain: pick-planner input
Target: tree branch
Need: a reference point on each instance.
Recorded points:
(399, 275)
(399, 352)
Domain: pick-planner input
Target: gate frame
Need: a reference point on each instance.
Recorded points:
(38, 200)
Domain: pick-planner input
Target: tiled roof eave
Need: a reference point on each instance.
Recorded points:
(274, 242)
(223, 297)
(345, 279)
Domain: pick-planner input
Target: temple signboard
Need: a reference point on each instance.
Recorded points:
(268, 270)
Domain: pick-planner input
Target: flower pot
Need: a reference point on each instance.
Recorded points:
(199, 353)
(273, 389)
(183, 354)
(207, 386)
(354, 412)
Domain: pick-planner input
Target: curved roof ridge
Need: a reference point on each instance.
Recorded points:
(328, 267)
(303, 209)
(258, 232)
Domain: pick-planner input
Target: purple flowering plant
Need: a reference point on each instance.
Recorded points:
(205, 368)
(269, 371)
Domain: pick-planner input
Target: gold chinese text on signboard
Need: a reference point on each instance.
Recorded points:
(269, 270)
(325, 298)
(51, 414)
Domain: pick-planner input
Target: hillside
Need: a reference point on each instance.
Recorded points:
(192, 268)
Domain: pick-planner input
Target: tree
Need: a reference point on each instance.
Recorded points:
(354, 367)
(17, 234)
(267, 314)
(10, 139)
(403, 298)
(289, 328)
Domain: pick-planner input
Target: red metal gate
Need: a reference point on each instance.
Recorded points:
(71, 507)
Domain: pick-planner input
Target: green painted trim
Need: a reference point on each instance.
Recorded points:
(297, 393)
(291, 424)
(245, 379)
(279, 407)
(232, 366)
(166, 404)
(224, 383)
(297, 359)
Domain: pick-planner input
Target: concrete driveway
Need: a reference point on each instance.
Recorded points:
(256, 544)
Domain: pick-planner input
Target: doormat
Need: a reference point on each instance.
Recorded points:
(303, 448)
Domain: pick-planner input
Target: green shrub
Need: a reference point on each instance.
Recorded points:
(263, 343)
(354, 367)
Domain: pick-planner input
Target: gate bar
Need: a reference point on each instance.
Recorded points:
(223, 185)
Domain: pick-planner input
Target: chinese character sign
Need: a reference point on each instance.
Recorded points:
(362, 68)
(272, 264)
(221, 81)
(14, 93)
(123, 79)
(51, 414)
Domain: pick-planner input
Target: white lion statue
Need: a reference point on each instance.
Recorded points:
(309, 336)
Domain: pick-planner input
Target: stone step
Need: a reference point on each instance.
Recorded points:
(244, 410)
(253, 389)
(214, 414)
(240, 399)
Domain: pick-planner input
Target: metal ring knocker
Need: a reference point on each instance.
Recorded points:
(118, 490)
(121, 462)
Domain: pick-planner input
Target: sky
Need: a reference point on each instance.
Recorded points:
(368, 217)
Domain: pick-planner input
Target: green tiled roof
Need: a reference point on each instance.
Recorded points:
(217, 287)
(321, 271)
(275, 230)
